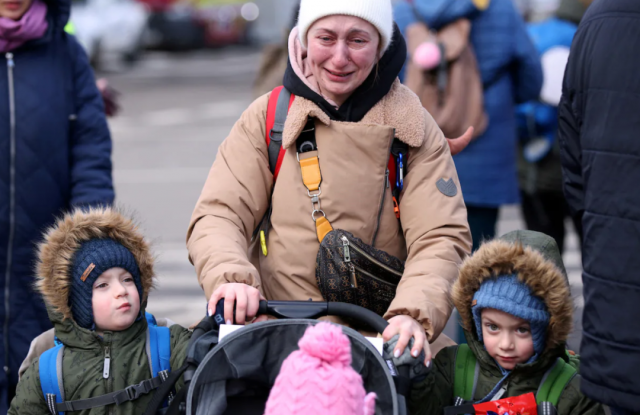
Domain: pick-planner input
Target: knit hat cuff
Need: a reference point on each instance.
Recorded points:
(377, 12)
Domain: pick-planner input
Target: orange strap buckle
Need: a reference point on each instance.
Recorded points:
(396, 207)
(311, 176)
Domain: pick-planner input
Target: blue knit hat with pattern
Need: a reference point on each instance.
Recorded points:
(510, 295)
(91, 259)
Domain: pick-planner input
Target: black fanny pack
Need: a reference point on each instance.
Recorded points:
(350, 271)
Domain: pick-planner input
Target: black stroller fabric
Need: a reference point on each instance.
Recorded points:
(236, 376)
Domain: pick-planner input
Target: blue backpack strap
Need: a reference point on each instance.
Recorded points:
(51, 377)
(151, 320)
(158, 347)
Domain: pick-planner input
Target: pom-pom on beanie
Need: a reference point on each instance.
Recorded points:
(377, 12)
(92, 258)
(506, 293)
(318, 379)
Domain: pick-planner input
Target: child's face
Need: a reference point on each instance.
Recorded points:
(506, 338)
(116, 303)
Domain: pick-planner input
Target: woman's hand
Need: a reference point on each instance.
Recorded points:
(456, 145)
(245, 298)
(407, 328)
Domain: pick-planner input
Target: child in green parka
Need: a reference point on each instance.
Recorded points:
(95, 272)
(515, 305)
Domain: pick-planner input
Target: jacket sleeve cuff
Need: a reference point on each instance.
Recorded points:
(228, 274)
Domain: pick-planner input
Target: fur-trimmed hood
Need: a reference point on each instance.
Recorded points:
(535, 259)
(56, 252)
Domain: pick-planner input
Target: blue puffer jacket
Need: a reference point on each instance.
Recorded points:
(55, 152)
(510, 67)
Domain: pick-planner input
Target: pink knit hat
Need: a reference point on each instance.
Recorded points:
(318, 379)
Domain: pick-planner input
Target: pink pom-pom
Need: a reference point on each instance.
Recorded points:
(325, 341)
(370, 404)
(427, 56)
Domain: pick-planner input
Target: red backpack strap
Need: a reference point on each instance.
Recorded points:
(279, 103)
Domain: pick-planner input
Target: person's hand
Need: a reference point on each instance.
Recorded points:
(417, 369)
(407, 328)
(109, 97)
(245, 298)
(456, 145)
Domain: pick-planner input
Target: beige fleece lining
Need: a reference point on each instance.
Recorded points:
(400, 109)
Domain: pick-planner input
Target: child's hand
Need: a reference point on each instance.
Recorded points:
(407, 328)
(245, 298)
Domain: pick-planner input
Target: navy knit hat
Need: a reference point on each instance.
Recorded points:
(508, 294)
(91, 259)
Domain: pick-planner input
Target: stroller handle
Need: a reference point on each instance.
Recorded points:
(315, 309)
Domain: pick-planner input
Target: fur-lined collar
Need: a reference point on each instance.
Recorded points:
(400, 109)
(546, 281)
(61, 241)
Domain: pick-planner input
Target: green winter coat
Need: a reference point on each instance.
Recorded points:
(536, 260)
(84, 352)
(431, 396)
(83, 364)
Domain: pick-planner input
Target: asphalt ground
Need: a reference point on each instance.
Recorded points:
(176, 110)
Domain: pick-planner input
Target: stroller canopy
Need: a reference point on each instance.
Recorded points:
(237, 375)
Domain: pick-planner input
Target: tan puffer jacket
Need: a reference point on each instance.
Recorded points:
(433, 239)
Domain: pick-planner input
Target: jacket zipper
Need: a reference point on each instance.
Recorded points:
(385, 186)
(370, 258)
(380, 280)
(106, 374)
(12, 207)
(107, 363)
(347, 259)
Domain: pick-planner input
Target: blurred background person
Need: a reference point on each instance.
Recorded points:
(274, 60)
(56, 150)
(511, 73)
(540, 174)
(598, 134)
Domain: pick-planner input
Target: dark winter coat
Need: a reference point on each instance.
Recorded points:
(536, 260)
(511, 72)
(54, 155)
(598, 134)
(84, 353)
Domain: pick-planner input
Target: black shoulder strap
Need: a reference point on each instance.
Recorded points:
(282, 110)
(130, 393)
(163, 391)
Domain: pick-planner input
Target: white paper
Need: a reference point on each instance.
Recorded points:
(377, 343)
(226, 329)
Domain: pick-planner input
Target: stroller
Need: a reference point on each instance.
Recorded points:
(235, 375)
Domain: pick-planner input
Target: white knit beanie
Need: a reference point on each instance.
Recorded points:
(377, 12)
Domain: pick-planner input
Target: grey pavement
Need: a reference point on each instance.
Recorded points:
(177, 109)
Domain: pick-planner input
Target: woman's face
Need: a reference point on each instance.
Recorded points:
(342, 51)
(14, 9)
